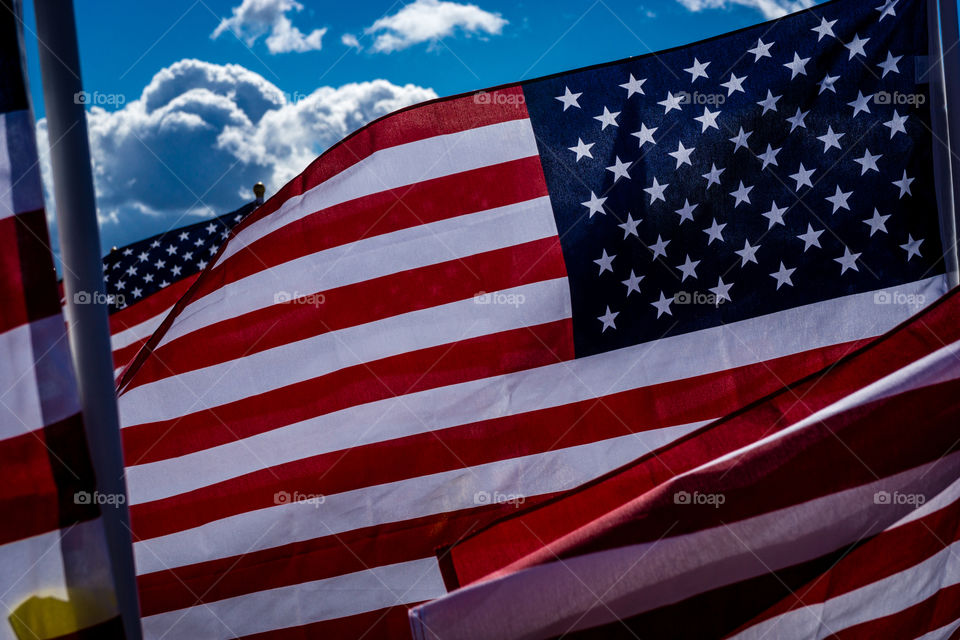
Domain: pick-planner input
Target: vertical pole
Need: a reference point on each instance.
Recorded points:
(80, 250)
(946, 67)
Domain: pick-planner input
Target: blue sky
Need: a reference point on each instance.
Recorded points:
(197, 144)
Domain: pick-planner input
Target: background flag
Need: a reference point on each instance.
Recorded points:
(490, 299)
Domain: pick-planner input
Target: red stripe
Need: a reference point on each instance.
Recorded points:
(384, 212)
(28, 282)
(937, 611)
(356, 304)
(488, 355)
(150, 306)
(122, 356)
(419, 122)
(472, 444)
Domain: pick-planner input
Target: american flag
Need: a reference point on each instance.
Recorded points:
(145, 279)
(52, 547)
(826, 510)
(497, 297)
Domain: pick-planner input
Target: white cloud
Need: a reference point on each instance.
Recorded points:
(429, 21)
(350, 40)
(255, 18)
(769, 8)
(201, 134)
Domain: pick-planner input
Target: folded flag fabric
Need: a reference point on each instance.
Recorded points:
(145, 279)
(483, 301)
(840, 518)
(55, 577)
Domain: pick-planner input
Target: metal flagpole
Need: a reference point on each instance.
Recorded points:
(945, 35)
(80, 249)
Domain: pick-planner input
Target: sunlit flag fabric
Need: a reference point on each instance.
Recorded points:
(839, 517)
(55, 577)
(145, 279)
(494, 298)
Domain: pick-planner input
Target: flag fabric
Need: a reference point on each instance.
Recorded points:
(483, 301)
(55, 576)
(839, 517)
(145, 279)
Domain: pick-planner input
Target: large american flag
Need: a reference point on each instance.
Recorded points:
(55, 573)
(815, 513)
(497, 297)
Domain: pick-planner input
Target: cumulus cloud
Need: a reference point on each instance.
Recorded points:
(350, 40)
(255, 18)
(429, 21)
(769, 8)
(201, 134)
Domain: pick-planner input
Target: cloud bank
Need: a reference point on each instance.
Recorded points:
(430, 21)
(255, 18)
(769, 8)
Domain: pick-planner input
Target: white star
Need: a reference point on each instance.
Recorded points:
(811, 238)
(569, 99)
(688, 268)
(847, 261)
(137, 292)
(708, 119)
(830, 139)
(154, 244)
(202, 265)
(721, 291)
(634, 86)
(142, 256)
(802, 176)
(862, 103)
(184, 235)
(912, 247)
(188, 255)
(630, 226)
(148, 277)
(686, 212)
(210, 228)
(748, 253)
(868, 161)
(128, 251)
(775, 215)
(608, 319)
(769, 157)
(663, 305)
(132, 270)
(886, 9)
(713, 176)
(656, 191)
(734, 84)
(164, 284)
(896, 123)
(633, 283)
(682, 155)
(798, 67)
(797, 120)
(904, 184)
(742, 194)
(659, 248)
(839, 200)
(607, 118)
(877, 223)
(198, 242)
(890, 64)
(714, 232)
(582, 149)
(825, 29)
(827, 84)
(121, 284)
(605, 262)
(769, 103)
(740, 140)
(671, 102)
(783, 276)
(171, 250)
(855, 46)
(619, 169)
(159, 264)
(594, 204)
(645, 135)
(175, 270)
(698, 70)
(761, 50)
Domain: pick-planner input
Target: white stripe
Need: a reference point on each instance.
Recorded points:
(719, 348)
(19, 185)
(224, 382)
(36, 378)
(371, 258)
(391, 502)
(138, 332)
(304, 603)
(943, 633)
(398, 166)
